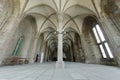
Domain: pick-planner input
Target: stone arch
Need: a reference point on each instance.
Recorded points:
(26, 28)
(91, 50)
(7, 8)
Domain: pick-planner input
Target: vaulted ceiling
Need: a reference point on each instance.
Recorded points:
(46, 14)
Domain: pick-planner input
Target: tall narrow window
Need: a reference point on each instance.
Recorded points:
(104, 47)
(18, 44)
(109, 51)
(103, 51)
(100, 33)
(96, 35)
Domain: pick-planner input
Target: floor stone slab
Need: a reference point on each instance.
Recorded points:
(48, 71)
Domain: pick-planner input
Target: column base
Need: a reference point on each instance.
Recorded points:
(41, 62)
(60, 64)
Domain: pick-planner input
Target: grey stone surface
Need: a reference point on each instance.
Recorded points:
(47, 71)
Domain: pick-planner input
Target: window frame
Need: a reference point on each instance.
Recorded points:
(108, 53)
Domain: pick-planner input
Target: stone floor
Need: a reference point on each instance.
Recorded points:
(47, 71)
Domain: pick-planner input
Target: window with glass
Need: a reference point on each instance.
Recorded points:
(102, 43)
(17, 47)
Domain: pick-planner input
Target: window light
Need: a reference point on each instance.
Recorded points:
(100, 33)
(103, 52)
(109, 51)
(96, 35)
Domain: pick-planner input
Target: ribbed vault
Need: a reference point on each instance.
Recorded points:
(46, 15)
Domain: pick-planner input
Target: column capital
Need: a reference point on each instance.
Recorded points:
(60, 32)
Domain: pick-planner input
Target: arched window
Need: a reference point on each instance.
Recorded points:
(17, 47)
(102, 43)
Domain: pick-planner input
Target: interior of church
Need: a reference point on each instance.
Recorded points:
(63, 33)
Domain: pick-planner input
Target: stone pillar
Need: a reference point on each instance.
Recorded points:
(43, 52)
(60, 47)
(46, 52)
(71, 52)
(60, 62)
(33, 54)
(41, 57)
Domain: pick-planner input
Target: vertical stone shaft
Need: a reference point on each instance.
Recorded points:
(60, 62)
(60, 47)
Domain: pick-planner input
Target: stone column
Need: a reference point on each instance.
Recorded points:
(46, 52)
(41, 57)
(71, 52)
(60, 62)
(60, 47)
(32, 59)
(43, 52)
